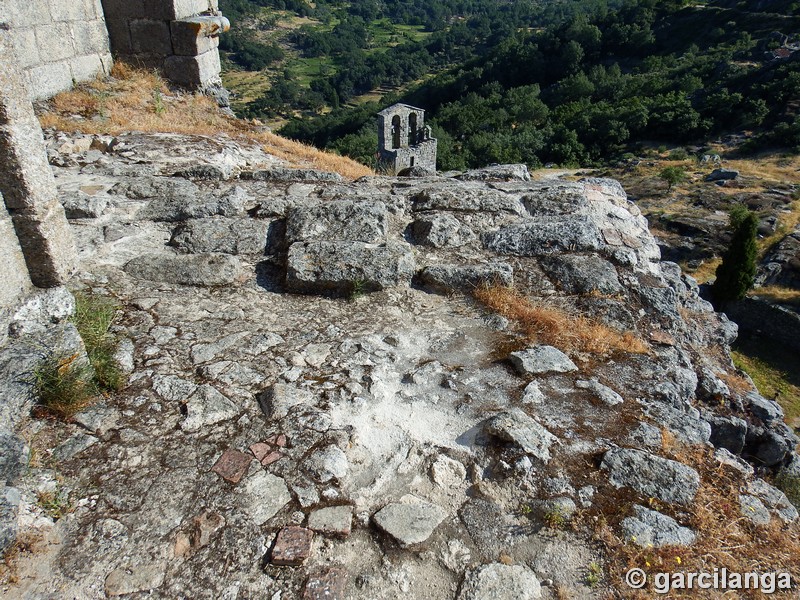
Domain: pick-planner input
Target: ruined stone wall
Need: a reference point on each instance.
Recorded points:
(179, 37)
(57, 42)
(38, 229)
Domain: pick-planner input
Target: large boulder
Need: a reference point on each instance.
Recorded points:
(651, 475)
(576, 274)
(339, 220)
(192, 269)
(441, 231)
(649, 528)
(477, 200)
(348, 267)
(466, 278)
(722, 175)
(219, 234)
(545, 235)
(517, 172)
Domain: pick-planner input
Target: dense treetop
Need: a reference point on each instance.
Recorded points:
(564, 82)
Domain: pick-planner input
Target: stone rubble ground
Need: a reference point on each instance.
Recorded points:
(362, 439)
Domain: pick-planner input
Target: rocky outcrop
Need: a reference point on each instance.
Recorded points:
(320, 444)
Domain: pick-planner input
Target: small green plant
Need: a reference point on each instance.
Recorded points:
(789, 484)
(594, 575)
(358, 287)
(55, 503)
(94, 315)
(64, 385)
(678, 154)
(67, 384)
(158, 103)
(673, 176)
(555, 517)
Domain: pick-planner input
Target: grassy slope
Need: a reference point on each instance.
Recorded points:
(137, 100)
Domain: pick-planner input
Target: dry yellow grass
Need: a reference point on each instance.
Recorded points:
(778, 294)
(554, 326)
(705, 272)
(139, 100)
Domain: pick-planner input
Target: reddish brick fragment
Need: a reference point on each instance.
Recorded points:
(281, 441)
(260, 450)
(292, 546)
(271, 458)
(326, 584)
(232, 465)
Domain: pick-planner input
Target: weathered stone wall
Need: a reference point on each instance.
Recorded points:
(180, 37)
(57, 42)
(14, 279)
(28, 188)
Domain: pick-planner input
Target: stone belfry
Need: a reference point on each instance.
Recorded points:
(404, 140)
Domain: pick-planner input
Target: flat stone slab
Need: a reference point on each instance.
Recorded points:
(651, 475)
(190, 269)
(348, 267)
(651, 528)
(282, 174)
(292, 546)
(410, 522)
(546, 235)
(518, 428)
(602, 392)
(207, 406)
(136, 578)
(263, 495)
(541, 359)
(500, 582)
(335, 520)
(339, 220)
(232, 465)
(220, 234)
(466, 278)
(326, 584)
(446, 197)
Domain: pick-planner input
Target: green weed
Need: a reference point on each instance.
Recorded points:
(94, 315)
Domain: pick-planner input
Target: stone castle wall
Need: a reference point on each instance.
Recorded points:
(179, 37)
(32, 222)
(58, 42)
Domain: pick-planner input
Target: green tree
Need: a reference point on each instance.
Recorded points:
(673, 176)
(737, 271)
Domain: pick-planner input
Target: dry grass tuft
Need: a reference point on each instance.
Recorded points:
(139, 100)
(778, 294)
(556, 327)
(705, 272)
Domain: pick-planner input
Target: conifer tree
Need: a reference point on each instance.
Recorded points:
(737, 271)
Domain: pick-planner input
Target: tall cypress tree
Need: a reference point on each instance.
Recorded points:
(737, 271)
